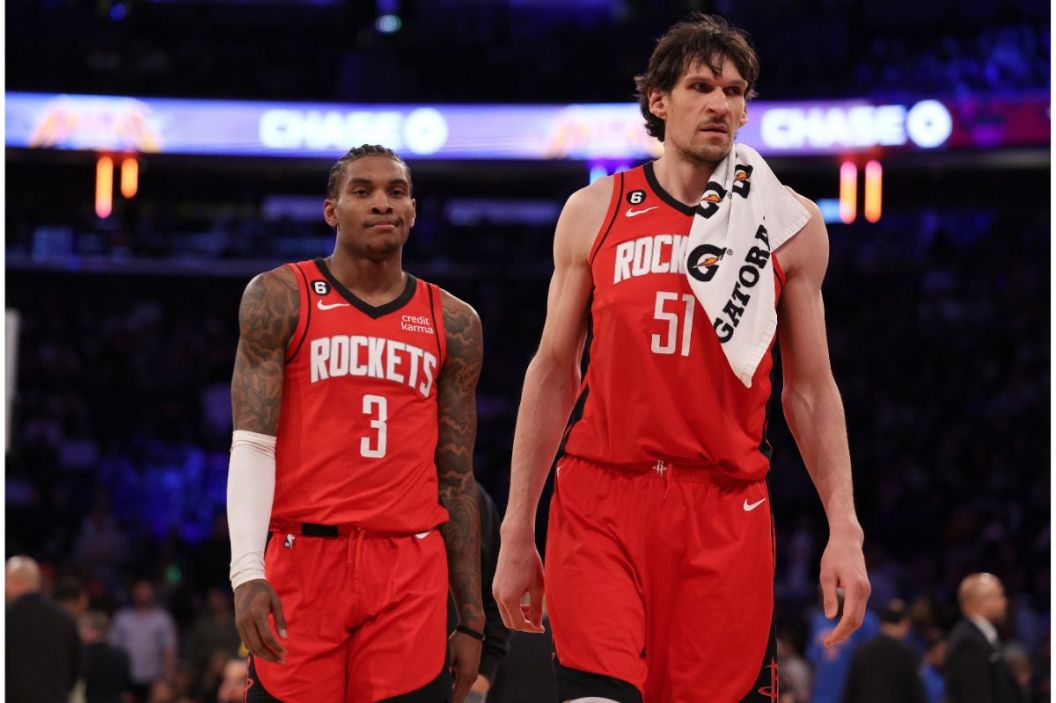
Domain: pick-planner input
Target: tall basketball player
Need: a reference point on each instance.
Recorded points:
(355, 417)
(659, 563)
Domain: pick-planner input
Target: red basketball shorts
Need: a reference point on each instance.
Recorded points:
(366, 616)
(660, 585)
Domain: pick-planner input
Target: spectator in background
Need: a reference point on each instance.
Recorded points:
(233, 684)
(923, 623)
(831, 663)
(147, 634)
(793, 672)
(70, 594)
(976, 671)
(43, 653)
(1019, 661)
(100, 547)
(107, 673)
(886, 668)
(496, 636)
(212, 633)
(931, 672)
(161, 691)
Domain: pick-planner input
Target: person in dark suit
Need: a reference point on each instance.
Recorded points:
(108, 673)
(976, 671)
(43, 653)
(496, 636)
(886, 668)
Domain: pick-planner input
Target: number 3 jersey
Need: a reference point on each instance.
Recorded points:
(657, 385)
(359, 419)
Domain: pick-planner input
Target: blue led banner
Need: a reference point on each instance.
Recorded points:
(536, 132)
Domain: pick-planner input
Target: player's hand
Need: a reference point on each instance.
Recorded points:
(843, 574)
(254, 601)
(519, 572)
(465, 661)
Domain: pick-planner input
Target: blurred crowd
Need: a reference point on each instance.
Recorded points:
(477, 51)
(116, 470)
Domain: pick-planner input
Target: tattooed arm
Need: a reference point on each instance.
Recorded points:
(267, 318)
(456, 388)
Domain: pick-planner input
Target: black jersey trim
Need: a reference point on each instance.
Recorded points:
(612, 221)
(577, 410)
(650, 178)
(765, 448)
(374, 311)
(576, 684)
(436, 324)
(308, 319)
(765, 688)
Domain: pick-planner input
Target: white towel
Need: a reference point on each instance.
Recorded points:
(744, 215)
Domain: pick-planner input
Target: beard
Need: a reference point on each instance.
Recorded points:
(709, 155)
(704, 154)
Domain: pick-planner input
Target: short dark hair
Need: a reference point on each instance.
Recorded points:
(68, 589)
(358, 153)
(895, 612)
(700, 38)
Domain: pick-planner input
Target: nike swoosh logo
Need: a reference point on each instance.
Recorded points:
(631, 212)
(323, 306)
(423, 535)
(749, 507)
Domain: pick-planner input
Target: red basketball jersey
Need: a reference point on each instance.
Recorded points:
(358, 425)
(658, 386)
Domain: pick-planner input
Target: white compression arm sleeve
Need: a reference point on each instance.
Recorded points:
(250, 490)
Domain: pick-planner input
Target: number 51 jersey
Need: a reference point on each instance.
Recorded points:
(658, 386)
(359, 419)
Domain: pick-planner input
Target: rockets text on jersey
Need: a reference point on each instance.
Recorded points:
(359, 418)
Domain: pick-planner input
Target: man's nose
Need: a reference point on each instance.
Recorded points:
(380, 203)
(718, 102)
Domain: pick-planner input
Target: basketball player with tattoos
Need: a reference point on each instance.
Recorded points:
(354, 422)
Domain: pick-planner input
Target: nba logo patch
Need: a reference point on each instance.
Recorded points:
(289, 542)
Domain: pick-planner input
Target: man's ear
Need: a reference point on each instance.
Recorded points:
(658, 103)
(329, 214)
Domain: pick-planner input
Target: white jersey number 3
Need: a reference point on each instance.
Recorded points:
(668, 343)
(377, 407)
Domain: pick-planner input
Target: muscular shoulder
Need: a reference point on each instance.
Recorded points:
(462, 327)
(583, 216)
(270, 305)
(807, 251)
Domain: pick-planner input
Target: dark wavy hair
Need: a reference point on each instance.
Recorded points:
(358, 153)
(700, 38)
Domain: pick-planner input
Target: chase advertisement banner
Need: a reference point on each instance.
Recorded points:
(502, 132)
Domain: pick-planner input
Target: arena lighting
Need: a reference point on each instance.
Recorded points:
(586, 132)
(830, 210)
(929, 124)
(873, 190)
(388, 24)
(848, 192)
(388, 21)
(104, 187)
(129, 176)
